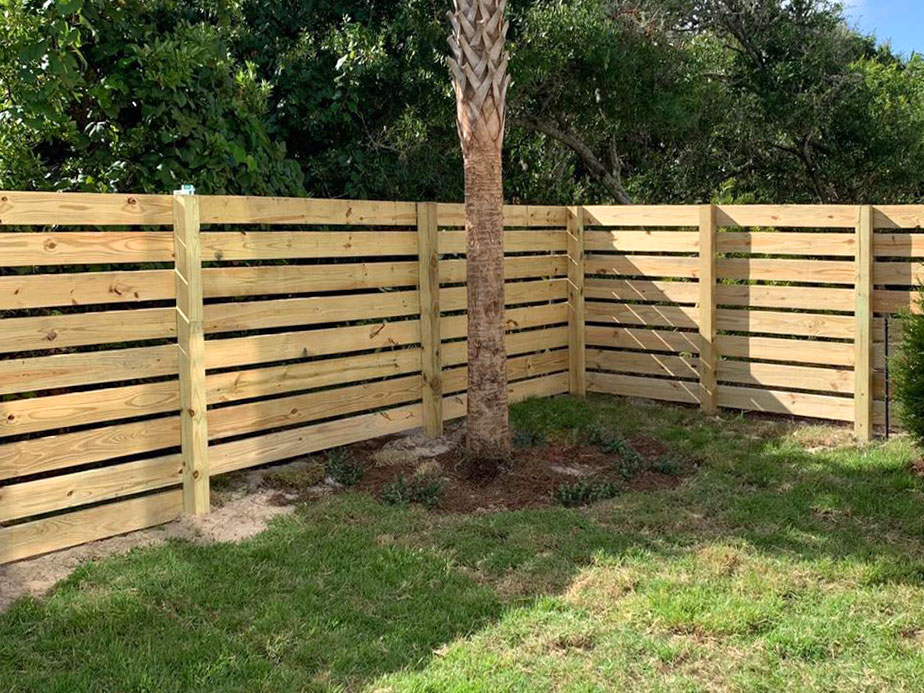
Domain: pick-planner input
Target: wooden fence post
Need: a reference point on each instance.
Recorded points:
(863, 333)
(577, 355)
(431, 365)
(707, 354)
(191, 343)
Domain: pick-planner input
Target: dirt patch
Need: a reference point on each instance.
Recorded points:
(239, 517)
(529, 480)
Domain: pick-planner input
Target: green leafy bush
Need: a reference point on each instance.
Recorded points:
(342, 468)
(908, 372)
(628, 460)
(427, 491)
(586, 491)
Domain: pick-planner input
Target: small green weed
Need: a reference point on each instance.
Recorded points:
(585, 491)
(525, 438)
(629, 462)
(342, 468)
(295, 476)
(666, 465)
(427, 491)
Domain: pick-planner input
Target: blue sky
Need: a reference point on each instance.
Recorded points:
(902, 21)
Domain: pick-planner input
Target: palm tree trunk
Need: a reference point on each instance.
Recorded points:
(479, 70)
(488, 430)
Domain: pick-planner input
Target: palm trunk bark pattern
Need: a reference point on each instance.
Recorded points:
(479, 68)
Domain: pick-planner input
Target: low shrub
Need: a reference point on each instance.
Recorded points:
(427, 491)
(342, 468)
(908, 372)
(586, 491)
(629, 462)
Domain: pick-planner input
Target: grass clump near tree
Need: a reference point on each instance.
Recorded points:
(342, 468)
(908, 371)
(423, 490)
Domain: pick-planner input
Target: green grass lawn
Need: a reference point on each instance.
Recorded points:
(790, 560)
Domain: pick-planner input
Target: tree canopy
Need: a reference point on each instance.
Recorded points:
(613, 100)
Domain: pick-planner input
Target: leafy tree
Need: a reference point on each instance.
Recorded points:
(132, 95)
(908, 372)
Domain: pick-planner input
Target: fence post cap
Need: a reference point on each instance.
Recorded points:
(186, 190)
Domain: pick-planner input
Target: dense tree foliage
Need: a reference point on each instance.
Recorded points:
(613, 100)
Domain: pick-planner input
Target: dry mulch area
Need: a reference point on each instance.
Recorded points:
(529, 480)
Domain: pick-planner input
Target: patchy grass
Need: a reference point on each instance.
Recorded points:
(790, 560)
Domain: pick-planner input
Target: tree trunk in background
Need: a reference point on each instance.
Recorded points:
(479, 69)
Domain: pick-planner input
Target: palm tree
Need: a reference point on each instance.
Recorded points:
(479, 71)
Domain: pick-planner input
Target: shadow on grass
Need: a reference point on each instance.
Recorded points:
(349, 590)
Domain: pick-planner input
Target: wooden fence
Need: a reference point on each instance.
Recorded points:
(149, 343)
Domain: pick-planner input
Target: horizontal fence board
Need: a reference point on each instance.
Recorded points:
(286, 411)
(84, 329)
(775, 322)
(643, 364)
(647, 388)
(642, 241)
(787, 243)
(232, 386)
(454, 242)
(225, 282)
(895, 300)
(518, 368)
(81, 408)
(50, 453)
(641, 215)
(241, 351)
(641, 290)
(647, 340)
(802, 271)
(289, 312)
(910, 245)
(85, 289)
(63, 531)
(635, 314)
(281, 445)
(790, 216)
(898, 216)
(454, 406)
(85, 248)
(456, 353)
(642, 266)
(292, 245)
(789, 403)
(773, 375)
(453, 214)
(902, 273)
(84, 209)
(456, 326)
(525, 267)
(532, 291)
(787, 350)
(804, 297)
(225, 209)
(90, 486)
(69, 370)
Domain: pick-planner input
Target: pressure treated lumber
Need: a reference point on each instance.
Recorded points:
(863, 339)
(430, 343)
(576, 314)
(194, 434)
(706, 312)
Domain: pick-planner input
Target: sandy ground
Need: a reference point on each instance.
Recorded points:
(237, 519)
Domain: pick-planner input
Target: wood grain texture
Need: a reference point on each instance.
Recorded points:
(786, 243)
(194, 435)
(791, 216)
(63, 531)
(648, 388)
(641, 290)
(863, 338)
(431, 367)
(84, 209)
(642, 266)
(222, 209)
(781, 402)
(707, 319)
(643, 364)
(786, 350)
(45, 249)
(641, 215)
(800, 271)
(84, 289)
(643, 340)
